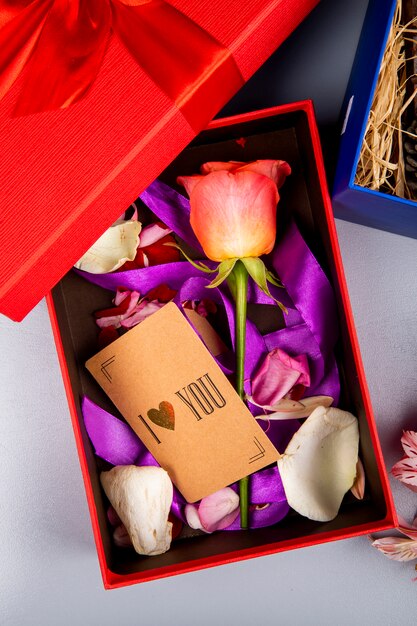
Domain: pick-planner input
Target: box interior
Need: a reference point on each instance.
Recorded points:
(284, 136)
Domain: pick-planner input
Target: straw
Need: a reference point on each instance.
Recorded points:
(381, 162)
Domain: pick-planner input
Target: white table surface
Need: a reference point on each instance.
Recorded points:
(49, 573)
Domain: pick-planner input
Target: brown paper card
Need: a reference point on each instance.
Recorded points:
(171, 391)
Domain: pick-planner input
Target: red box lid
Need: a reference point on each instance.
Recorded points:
(67, 174)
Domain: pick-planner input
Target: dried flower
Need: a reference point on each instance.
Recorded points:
(406, 469)
(141, 497)
(400, 548)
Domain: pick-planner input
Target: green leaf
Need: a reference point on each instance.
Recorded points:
(258, 272)
(197, 264)
(274, 280)
(224, 269)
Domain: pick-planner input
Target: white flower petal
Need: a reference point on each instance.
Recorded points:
(319, 464)
(192, 517)
(116, 246)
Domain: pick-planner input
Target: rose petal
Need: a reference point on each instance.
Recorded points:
(189, 182)
(143, 310)
(163, 293)
(219, 510)
(121, 295)
(116, 246)
(192, 517)
(218, 166)
(319, 464)
(278, 374)
(406, 471)
(107, 336)
(205, 307)
(275, 170)
(159, 253)
(176, 525)
(153, 233)
(409, 442)
(397, 548)
(112, 516)
(113, 316)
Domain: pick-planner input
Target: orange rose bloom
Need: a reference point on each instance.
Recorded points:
(234, 205)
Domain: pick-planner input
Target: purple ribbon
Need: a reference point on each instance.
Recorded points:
(311, 329)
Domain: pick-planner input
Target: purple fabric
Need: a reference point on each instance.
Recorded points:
(311, 329)
(310, 291)
(147, 278)
(173, 209)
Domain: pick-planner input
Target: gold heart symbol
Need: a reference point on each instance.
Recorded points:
(164, 417)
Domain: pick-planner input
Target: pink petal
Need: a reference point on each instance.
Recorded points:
(397, 548)
(277, 376)
(406, 471)
(234, 215)
(409, 442)
(219, 510)
(192, 517)
(358, 488)
(121, 295)
(117, 320)
(189, 182)
(153, 233)
(134, 297)
(143, 310)
(275, 170)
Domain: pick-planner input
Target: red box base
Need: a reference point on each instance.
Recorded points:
(289, 133)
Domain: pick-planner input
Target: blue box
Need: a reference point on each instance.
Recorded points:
(350, 201)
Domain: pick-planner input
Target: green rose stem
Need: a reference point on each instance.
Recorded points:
(240, 288)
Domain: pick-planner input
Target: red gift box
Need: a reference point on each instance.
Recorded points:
(288, 133)
(147, 89)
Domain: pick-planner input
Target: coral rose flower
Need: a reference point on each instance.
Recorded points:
(233, 207)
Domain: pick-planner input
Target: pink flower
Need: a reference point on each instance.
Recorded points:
(400, 548)
(277, 377)
(233, 207)
(214, 512)
(406, 469)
